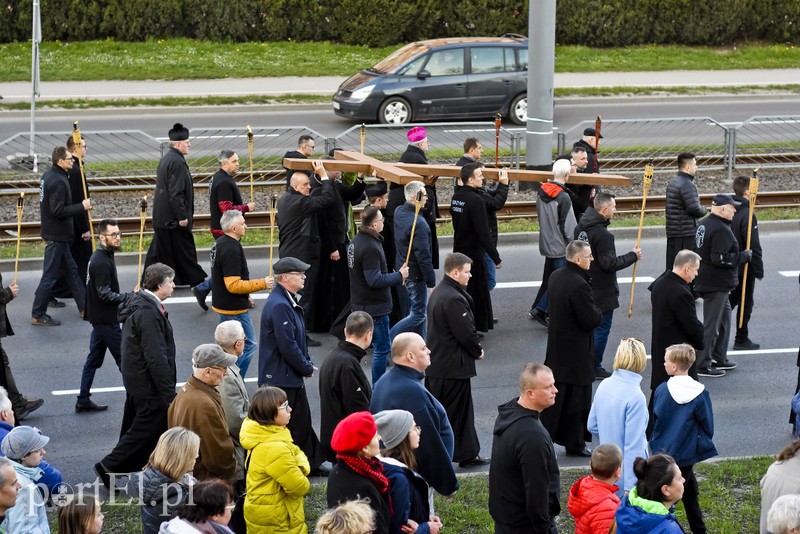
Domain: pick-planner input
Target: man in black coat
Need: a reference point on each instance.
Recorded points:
(740, 227)
(682, 208)
(81, 245)
(593, 228)
(471, 237)
(455, 348)
(56, 213)
(584, 159)
(674, 318)
(305, 148)
(343, 386)
(298, 230)
(102, 300)
(570, 349)
(718, 276)
(148, 374)
(524, 481)
(173, 213)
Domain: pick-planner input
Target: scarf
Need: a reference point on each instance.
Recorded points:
(369, 468)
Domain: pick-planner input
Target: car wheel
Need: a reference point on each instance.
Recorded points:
(395, 111)
(518, 112)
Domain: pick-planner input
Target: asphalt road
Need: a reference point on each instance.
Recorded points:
(751, 404)
(568, 113)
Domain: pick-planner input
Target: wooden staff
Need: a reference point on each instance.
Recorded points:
(417, 207)
(77, 140)
(250, 148)
(273, 207)
(498, 121)
(142, 217)
(752, 198)
(598, 123)
(648, 179)
(363, 136)
(20, 209)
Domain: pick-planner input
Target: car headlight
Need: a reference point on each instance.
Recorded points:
(362, 93)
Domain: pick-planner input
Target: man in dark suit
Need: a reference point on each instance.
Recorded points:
(570, 349)
(674, 317)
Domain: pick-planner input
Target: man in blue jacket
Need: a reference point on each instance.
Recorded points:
(283, 353)
(401, 389)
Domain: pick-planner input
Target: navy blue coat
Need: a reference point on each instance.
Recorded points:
(409, 493)
(420, 263)
(401, 389)
(282, 351)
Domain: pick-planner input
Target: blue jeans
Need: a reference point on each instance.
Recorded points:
(381, 346)
(418, 312)
(104, 337)
(58, 261)
(249, 339)
(205, 285)
(601, 338)
(491, 271)
(544, 301)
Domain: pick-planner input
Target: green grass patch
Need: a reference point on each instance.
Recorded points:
(176, 59)
(172, 101)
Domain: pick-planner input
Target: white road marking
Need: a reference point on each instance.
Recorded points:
(789, 274)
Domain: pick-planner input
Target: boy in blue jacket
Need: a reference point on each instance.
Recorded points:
(684, 425)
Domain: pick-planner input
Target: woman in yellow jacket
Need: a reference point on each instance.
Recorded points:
(277, 468)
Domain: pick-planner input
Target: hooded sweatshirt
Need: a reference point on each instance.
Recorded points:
(684, 421)
(556, 220)
(642, 516)
(593, 504)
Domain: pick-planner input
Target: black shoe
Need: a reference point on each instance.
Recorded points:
(601, 374)
(495, 320)
(320, 471)
(584, 453)
(312, 342)
(711, 372)
(44, 320)
(55, 303)
(475, 461)
(746, 345)
(480, 336)
(540, 317)
(201, 297)
(25, 410)
(727, 364)
(102, 473)
(89, 407)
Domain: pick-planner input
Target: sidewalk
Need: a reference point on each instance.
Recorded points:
(21, 91)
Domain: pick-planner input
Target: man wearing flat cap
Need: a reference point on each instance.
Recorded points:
(198, 407)
(173, 211)
(283, 353)
(718, 276)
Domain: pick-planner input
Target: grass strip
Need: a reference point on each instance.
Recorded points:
(730, 497)
(177, 59)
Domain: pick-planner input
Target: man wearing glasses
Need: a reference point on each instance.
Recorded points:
(570, 350)
(102, 299)
(305, 148)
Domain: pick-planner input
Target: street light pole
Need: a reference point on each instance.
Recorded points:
(36, 38)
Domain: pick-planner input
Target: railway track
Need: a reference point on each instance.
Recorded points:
(512, 210)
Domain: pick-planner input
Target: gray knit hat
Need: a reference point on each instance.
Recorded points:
(21, 441)
(393, 426)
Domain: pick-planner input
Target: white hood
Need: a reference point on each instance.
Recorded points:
(684, 388)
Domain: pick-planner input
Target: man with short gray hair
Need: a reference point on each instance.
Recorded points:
(9, 487)
(235, 401)
(198, 407)
(231, 283)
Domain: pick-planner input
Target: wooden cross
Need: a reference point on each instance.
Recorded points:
(402, 173)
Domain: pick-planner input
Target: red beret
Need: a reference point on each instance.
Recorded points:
(354, 432)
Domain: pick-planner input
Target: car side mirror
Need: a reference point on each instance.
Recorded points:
(423, 74)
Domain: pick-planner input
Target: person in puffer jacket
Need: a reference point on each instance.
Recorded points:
(276, 467)
(650, 507)
(682, 208)
(592, 499)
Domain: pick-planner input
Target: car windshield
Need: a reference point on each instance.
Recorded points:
(398, 58)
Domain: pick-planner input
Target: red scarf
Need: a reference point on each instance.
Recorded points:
(369, 468)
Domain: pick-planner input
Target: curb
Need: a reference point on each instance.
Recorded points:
(511, 238)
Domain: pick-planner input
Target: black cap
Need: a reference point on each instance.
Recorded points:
(289, 265)
(724, 200)
(378, 189)
(591, 132)
(178, 132)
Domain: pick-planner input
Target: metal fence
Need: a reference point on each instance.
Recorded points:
(129, 158)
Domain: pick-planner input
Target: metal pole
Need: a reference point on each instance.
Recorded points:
(561, 142)
(541, 64)
(36, 38)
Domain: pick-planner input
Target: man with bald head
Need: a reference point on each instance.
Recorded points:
(298, 232)
(401, 388)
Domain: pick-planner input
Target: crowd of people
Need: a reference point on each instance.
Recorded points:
(210, 457)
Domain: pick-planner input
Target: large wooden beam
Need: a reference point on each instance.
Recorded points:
(402, 173)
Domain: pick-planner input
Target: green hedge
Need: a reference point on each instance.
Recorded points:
(598, 23)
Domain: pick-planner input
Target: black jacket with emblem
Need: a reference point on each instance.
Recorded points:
(719, 254)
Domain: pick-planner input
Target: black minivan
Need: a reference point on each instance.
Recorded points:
(452, 78)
